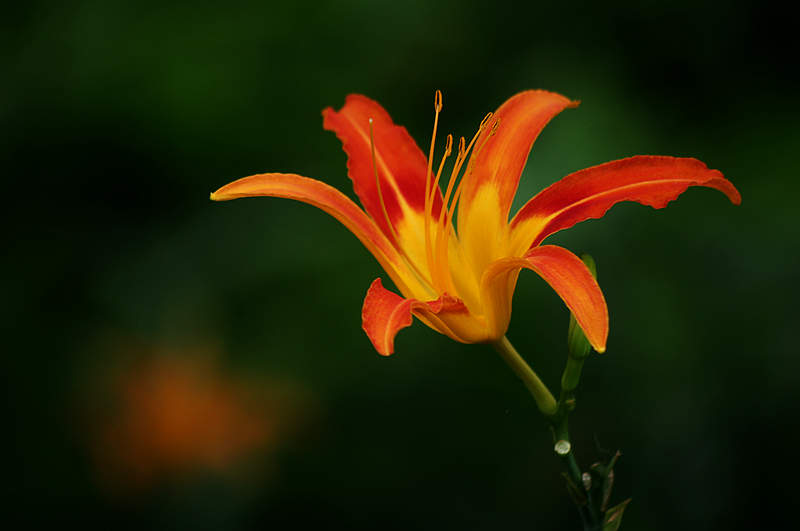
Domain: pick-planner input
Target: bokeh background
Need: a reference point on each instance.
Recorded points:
(176, 363)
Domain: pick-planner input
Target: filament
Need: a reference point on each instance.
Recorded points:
(378, 184)
(433, 266)
(429, 198)
(470, 168)
(444, 227)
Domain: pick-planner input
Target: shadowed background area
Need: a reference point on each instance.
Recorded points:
(176, 363)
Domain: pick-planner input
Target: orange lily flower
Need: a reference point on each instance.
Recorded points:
(460, 281)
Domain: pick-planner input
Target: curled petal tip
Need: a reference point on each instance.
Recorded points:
(730, 190)
(383, 315)
(212, 196)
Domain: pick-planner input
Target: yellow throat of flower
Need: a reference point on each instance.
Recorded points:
(440, 265)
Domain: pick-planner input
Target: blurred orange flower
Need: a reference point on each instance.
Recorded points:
(175, 414)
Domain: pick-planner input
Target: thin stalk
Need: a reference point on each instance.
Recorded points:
(541, 394)
(557, 414)
(559, 424)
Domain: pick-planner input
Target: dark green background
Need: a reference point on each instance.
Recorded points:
(118, 119)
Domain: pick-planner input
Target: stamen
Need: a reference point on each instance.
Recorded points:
(478, 150)
(468, 171)
(438, 278)
(462, 156)
(448, 149)
(378, 183)
(443, 267)
(485, 121)
(429, 190)
(443, 234)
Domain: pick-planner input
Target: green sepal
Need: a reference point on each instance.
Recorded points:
(604, 475)
(577, 344)
(613, 516)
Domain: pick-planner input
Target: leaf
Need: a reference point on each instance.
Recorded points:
(614, 516)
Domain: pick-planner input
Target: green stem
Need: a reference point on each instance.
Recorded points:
(559, 423)
(541, 394)
(557, 414)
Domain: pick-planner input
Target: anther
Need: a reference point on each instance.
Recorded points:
(485, 120)
(484, 139)
(437, 101)
(448, 148)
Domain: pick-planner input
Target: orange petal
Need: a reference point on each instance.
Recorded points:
(500, 162)
(333, 202)
(401, 165)
(386, 313)
(565, 273)
(589, 193)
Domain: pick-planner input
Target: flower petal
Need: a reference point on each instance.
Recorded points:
(500, 162)
(336, 204)
(492, 179)
(565, 273)
(401, 165)
(386, 313)
(589, 193)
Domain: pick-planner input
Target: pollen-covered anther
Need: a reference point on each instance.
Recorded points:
(448, 148)
(485, 121)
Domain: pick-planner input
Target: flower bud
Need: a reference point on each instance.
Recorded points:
(577, 344)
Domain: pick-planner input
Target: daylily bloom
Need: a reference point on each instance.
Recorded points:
(458, 275)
